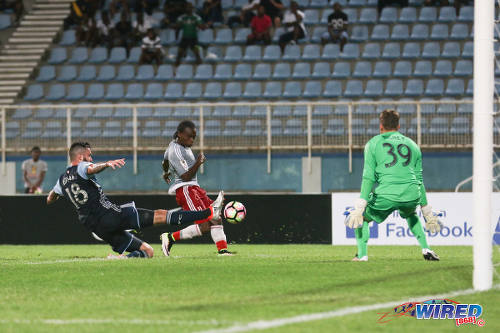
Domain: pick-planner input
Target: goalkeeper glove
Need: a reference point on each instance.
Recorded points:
(354, 218)
(431, 219)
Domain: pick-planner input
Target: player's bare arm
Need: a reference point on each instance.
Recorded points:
(191, 173)
(166, 174)
(99, 167)
(52, 197)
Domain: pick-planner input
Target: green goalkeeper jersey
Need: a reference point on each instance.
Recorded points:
(394, 163)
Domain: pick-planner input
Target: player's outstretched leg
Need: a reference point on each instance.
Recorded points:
(217, 230)
(417, 230)
(362, 235)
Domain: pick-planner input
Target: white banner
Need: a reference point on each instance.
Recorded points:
(457, 220)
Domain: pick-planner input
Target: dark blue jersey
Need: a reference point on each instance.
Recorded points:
(85, 194)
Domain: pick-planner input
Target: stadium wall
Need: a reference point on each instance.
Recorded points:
(248, 172)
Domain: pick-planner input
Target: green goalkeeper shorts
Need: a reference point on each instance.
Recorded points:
(379, 208)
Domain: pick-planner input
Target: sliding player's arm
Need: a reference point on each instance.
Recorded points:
(432, 222)
(166, 173)
(54, 194)
(93, 169)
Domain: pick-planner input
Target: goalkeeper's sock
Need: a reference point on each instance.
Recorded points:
(187, 233)
(180, 217)
(362, 236)
(138, 254)
(218, 236)
(417, 230)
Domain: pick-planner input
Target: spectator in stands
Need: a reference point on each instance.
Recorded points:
(385, 3)
(34, 170)
(141, 26)
(273, 9)
(123, 32)
(295, 29)
(189, 23)
(77, 10)
(105, 30)
(16, 5)
(211, 12)
(261, 28)
(457, 4)
(151, 49)
(84, 31)
(118, 6)
(246, 15)
(145, 5)
(337, 27)
(173, 9)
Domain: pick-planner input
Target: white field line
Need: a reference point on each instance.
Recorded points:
(93, 321)
(63, 261)
(266, 324)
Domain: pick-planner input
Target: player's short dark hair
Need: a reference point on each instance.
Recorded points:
(182, 126)
(389, 119)
(36, 148)
(76, 148)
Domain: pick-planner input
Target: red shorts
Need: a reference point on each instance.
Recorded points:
(192, 198)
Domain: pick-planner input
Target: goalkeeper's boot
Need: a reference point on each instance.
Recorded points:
(224, 252)
(217, 207)
(167, 241)
(356, 258)
(430, 255)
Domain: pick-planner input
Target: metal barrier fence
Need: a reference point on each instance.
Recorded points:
(231, 127)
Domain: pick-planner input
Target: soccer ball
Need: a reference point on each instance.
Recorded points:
(235, 212)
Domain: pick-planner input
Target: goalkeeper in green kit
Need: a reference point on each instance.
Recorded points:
(394, 163)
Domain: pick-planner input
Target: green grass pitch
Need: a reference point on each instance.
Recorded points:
(73, 289)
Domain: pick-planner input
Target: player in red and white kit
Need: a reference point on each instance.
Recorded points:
(180, 166)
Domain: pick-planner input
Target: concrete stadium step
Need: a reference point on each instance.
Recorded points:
(23, 51)
(12, 69)
(39, 23)
(50, 12)
(17, 64)
(8, 94)
(6, 101)
(54, 1)
(37, 29)
(29, 40)
(44, 6)
(26, 46)
(45, 17)
(17, 58)
(12, 82)
(11, 88)
(34, 34)
(14, 76)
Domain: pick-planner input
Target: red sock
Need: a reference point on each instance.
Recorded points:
(176, 235)
(221, 245)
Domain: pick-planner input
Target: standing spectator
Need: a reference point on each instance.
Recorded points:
(173, 9)
(105, 30)
(83, 31)
(189, 23)
(246, 15)
(117, 6)
(295, 29)
(273, 9)
(151, 49)
(123, 32)
(16, 5)
(384, 3)
(337, 27)
(261, 28)
(77, 10)
(211, 12)
(141, 26)
(34, 170)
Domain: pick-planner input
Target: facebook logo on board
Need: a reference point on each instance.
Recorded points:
(349, 233)
(496, 234)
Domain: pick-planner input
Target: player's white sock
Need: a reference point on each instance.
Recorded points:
(190, 232)
(218, 236)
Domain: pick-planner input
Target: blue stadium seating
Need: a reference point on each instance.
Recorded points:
(400, 32)
(35, 92)
(402, 69)
(83, 113)
(351, 51)
(292, 53)
(388, 15)
(167, 37)
(272, 90)
(154, 91)
(282, 71)
(380, 32)
(463, 68)
(193, 90)
(419, 32)
(253, 127)
(374, 88)
(206, 37)
(359, 34)
(411, 50)
(212, 128)
(468, 50)
(145, 73)
(252, 90)
(224, 36)
(292, 89)
(414, 88)
(354, 88)
(135, 91)
(203, 72)
(223, 72)
(68, 38)
(126, 73)
(312, 89)
(443, 68)
(459, 31)
(301, 70)
(460, 125)
(233, 54)
(232, 128)
(391, 51)
(271, 53)
(174, 91)
(133, 58)
(439, 32)
(57, 56)
(446, 109)
(341, 70)
(95, 91)
(106, 73)
(241, 34)
(408, 15)
(76, 92)
(382, 69)
(335, 127)
(213, 90)
(47, 73)
(282, 111)
(321, 70)
(214, 54)
(438, 125)
(362, 69)
(423, 68)
(262, 71)
(332, 89)
(428, 14)
(311, 52)
(352, 15)
(455, 87)
(447, 14)
(114, 92)
(371, 51)
(164, 73)
(232, 90)
(79, 55)
(318, 3)
(451, 50)
(330, 52)
(4, 21)
(87, 73)
(368, 16)
(98, 55)
(431, 50)
(222, 111)
(252, 53)
(394, 88)
(435, 87)
(184, 72)
(56, 92)
(318, 32)
(33, 130)
(466, 14)
(66, 74)
(293, 127)
(311, 17)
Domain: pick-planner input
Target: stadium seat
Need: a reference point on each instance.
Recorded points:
(4, 21)
(335, 127)
(411, 51)
(423, 68)
(282, 110)
(87, 73)
(212, 128)
(33, 130)
(57, 56)
(95, 92)
(351, 51)
(311, 17)
(341, 70)
(435, 87)
(408, 15)
(468, 50)
(222, 111)
(354, 88)
(184, 72)
(167, 37)
(293, 127)
(133, 58)
(282, 71)
(262, 71)
(451, 50)
(35, 92)
(402, 69)
(193, 90)
(382, 69)
(459, 31)
(447, 14)
(252, 90)
(272, 90)
(68, 38)
(293, 89)
(106, 73)
(371, 51)
(446, 109)
(162, 112)
(419, 32)
(276, 127)
(145, 73)
(428, 14)
(427, 109)
(374, 88)
(123, 113)
(358, 126)
(232, 128)
(203, 72)
(111, 129)
(154, 91)
(312, 89)
(98, 55)
(301, 70)
(252, 53)
(126, 73)
(53, 129)
(213, 54)
(44, 112)
(79, 55)
(83, 113)
(358, 34)
(362, 69)
(380, 32)
(332, 89)
(438, 125)
(330, 52)
(394, 88)
(223, 72)
(400, 32)
(164, 73)
(66, 74)
(318, 32)
(318, 3)
(232, 90)
(56, 92)
(391, 51)
(443, 68)
(352, 15)
(244, 111)
(241, 34)
(173, 91)
(465, 108)
(47, 73)
(466, 14)
(388, 15)
(253, 127)
(455, 87)
(292, 53)
(311, 52)
(321, 70)
(460, 125)
(76, 92)
(414, 87)
(213, 90)
(115, 92)
(326, 12)
(135, 91)
(233, 54)
(224, 37)
(463, 68)
(439, 32)
(206, 37)
(368, 16)
(431, 50)
(272, 53)
(316, 127)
